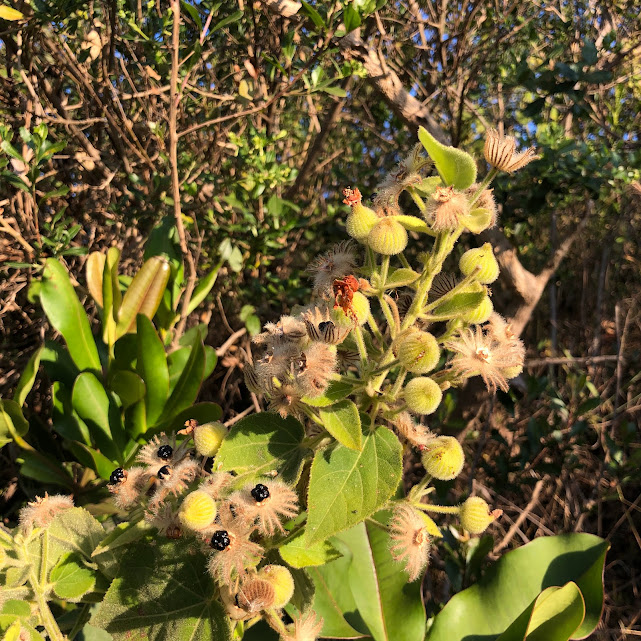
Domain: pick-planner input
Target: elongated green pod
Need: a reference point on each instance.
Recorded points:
(95, 268)
(110, 295)
(143, 295)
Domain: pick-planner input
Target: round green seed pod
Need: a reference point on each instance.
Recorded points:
(481, 313)
(388, 237)
(281, 580)
(361, 222)
(482, 257)
(358, 311)
(475, 515)
(443, 458)
(422, 395)
(418, 352)
(208, 438)
(198, 510)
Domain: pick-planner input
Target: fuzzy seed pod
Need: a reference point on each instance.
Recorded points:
(422, 395)
(255, 595)
(482, 257)
(361, 222)
(208, 438)
(481, 313)
(358, 311)
(281, 580)
(388, 237)
(198, 510)
(443, 458)
(418, 352)
(475, 515)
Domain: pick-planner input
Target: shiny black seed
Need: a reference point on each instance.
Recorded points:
(165, 452)
(117, 476)
(260, 493)
(165, 470)
(325, 326)
(220, 540)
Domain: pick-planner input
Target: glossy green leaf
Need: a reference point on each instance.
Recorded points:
(343, 422)
(188, 384)
(234, 17)
(144, 294)
(160, 594)
(94, 269)
(351, 18)
(390, 607)
(66, 314)
(64, 419)
(336, 391)
(557, 615)
(261, 443)
(456, 167)
(300, 555)
(71, 578)
(346, 486)
(152, 366)
(12, 421)
(92, 458)
(100, 413)
(28, 377)
(203, 288)
(111, 296)
(316, 18)
(487, 609)
(128, 386)
(45, 470)
(57, 364)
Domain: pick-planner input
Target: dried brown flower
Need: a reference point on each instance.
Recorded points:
(500, 152)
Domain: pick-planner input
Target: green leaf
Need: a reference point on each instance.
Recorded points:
(351, 18)
(94, 269)
(486, 610)
(310, 12)
(152, 366)
(261, 443)
(66, 314)
(339, 92)
(557, 615)
(346, 487)
(456, 167)
(390, 607)
(28, 377)
(188, 384)
(129, 387)
(110, 295)
(343, 422)
(459, 304)
(300, 555)
(48, 471)
(234, 17)
(203, 288)
(12, 422)
(401, 277)
(162, 593)
(92, 458)
(336, 391)
(109, 552)
(14, 629)
(71, 578)
(100, 413)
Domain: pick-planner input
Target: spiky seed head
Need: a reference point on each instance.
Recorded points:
(418, 352)
(422, 395)
(500, 152)
(281, 580)
(483, 259)
(208, 438)
(475, 515)
(198, 510)
(388, 237)
(443, 458)
(256, 595)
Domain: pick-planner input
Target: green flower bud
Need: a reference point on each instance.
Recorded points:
(388, 237)
(208, 438)
(481, 313)
(418, 352)
(358, 311)
(281, 580)
(475, 515)
(482, 257)
(422, 395)
(361, 222)
(198, 510)
(443, 458)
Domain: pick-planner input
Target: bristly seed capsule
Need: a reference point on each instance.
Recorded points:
(165, 470)
(117, 476)
(260, 493)
(220, 540)
(165, 452)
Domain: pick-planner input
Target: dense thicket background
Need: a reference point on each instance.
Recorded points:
(279, 106)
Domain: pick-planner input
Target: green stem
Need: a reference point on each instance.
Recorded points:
(384, 271)
(360, 343)
(80, 621)
(439, 509)
(389, 317)
(385, 368)
(486, 181)
(371, 321)
(455, 290)
(404, 261)
(417, 199)
(398, 384)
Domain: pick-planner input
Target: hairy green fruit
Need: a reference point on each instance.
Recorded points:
(423, 395)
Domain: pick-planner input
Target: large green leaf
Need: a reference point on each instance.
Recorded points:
(100, 413)
(346, 486)
(261, 443)
(343, 422)
(300, 555)
(390, 607)
(152, 366)
(510, 587)
(162, 593)
(28, 377)
(336, 391)
(71, 578)
(456, 167)
(12, 421)
(66, 314)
